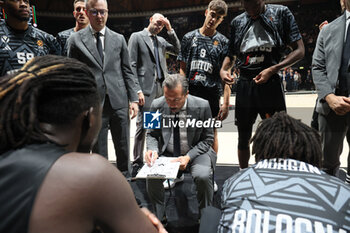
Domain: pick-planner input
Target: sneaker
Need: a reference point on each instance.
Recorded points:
(172, 182)
(347, 179)
(216, 188)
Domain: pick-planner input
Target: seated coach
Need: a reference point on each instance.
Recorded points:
(186, 133)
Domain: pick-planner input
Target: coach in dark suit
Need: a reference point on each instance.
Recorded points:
(191, 145)
(329, 68)
(148, 61)
(106, 53)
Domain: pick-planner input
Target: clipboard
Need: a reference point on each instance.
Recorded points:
(163, 168)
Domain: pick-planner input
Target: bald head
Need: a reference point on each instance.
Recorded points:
(156, 23)
(157, 16)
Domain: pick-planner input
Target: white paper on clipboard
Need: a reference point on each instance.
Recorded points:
(163, 168)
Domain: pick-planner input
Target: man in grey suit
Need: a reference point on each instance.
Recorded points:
(148, 62)
(195, 152)
(329, 67)
(106, 53)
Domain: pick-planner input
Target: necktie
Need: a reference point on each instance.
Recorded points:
(156, 54)
(176, 137)
(344, 82)
(99, 44)
(346, 51)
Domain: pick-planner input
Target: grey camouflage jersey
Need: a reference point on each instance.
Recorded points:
(284, 196)
(18, 47)
(203, 56)
(62, 38)
(279, 25)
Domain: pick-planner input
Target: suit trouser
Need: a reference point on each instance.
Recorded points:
(119, 124)
(139, 140)
(333, 129)
(202, 174)
(348, 169)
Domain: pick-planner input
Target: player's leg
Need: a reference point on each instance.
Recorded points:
(244, 134)
(215, 145)
(245, 115)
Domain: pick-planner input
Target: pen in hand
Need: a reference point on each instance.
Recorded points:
(152, 158)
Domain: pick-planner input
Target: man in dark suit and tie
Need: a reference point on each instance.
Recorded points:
(195, 152)
(106, 53)
(147, 56)
(332, 80)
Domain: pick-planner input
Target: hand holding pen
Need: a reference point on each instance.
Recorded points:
(151, 157)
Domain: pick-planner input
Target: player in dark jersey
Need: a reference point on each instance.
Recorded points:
(81, 21)
(286, 191)
(259, 36)
(49, 181)
(62, 38)
(19, 41)
(201, 56)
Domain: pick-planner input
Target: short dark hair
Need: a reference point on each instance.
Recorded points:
(48, 89)
(282, 136)
(172, 80)
(219, 6)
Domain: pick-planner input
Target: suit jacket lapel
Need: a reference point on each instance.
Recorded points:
(109, 40)
(148, 41)
(88, 40)
(338, 44)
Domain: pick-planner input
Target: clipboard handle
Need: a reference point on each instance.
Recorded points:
(156, 175)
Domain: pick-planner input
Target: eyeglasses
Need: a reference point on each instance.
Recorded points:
(176, 100)
(95, 12)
